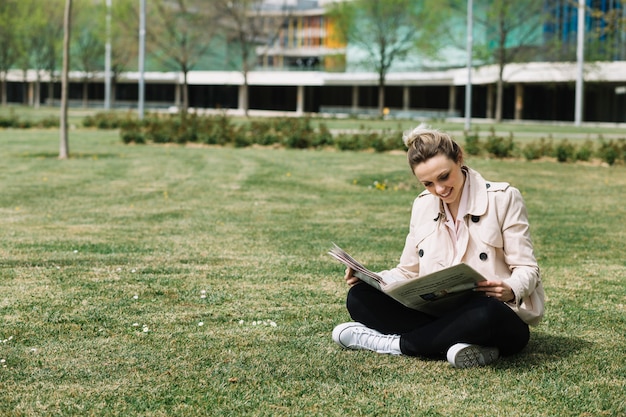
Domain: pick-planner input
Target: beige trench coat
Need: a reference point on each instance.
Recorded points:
(499, 245)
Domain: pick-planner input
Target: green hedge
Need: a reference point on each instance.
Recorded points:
(300, 133)
(15, 122)
(297, 133)
(563, 151)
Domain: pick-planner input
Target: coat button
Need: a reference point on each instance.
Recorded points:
(475, 219)
(483, 256)
(488, 185)
(421, 253)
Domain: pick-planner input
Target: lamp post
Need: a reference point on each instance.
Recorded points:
(107, 60)
(580, 58)
(142, 48)
(468, 86)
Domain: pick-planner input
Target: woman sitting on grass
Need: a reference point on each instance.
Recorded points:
(460, 217)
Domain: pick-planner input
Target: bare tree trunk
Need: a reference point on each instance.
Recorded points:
(85, 93)
(185, 93)
(37, 100)
(489, 105)
(64, 149)
(50, 100)
(381, 100)
(499, 94)
(113, 91)
(25, 88)
(381, 94)
(3, 88)
(245, 101)
(503, 33)
(519, 101)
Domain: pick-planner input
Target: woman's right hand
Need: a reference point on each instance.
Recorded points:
(350, 278)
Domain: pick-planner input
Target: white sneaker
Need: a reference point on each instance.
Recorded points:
(354, 335)
(464, 355)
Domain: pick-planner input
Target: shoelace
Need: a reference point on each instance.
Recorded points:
(369, 339)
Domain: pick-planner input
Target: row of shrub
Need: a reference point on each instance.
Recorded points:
(300, 133)
(222, 130)
(13, 121)
(609, 151)
(110, 120)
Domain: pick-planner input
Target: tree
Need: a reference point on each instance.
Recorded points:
(386, 30)
(88, 47)
(9, 46)
(64, 150)
(246, 28)
(42, 25)
(24, 44)
(53, 35)
(513, 31)
(505, 31)
(124, 43)
(179, 35)
(605, 38)
(605, 25)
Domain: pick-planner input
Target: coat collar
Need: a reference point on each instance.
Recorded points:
(477, 203)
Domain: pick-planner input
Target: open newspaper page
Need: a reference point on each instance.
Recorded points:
(360, 271)
(433, 293)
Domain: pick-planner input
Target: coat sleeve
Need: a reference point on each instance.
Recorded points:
(518, 247)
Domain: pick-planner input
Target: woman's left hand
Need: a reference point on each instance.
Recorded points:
(496, 289)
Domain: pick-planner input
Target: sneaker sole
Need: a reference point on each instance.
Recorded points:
(473, 355)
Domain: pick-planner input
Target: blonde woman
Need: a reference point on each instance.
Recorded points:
(460, 217)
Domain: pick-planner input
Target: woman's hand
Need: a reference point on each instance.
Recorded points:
(350, 278)
(496, 289)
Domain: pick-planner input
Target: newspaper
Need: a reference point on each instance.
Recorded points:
(434, 293)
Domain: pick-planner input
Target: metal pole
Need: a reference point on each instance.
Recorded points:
(107, 60)
(468, 86)
(64, 146)
(580, 58)
(142, 48)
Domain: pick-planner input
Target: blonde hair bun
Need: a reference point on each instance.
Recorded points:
(410, 136)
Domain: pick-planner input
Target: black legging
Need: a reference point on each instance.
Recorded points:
(483, 321)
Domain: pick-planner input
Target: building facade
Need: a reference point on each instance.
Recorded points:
(305, 39)
(604, 26)
(299, 73)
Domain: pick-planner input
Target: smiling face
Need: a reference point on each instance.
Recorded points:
(442, 177)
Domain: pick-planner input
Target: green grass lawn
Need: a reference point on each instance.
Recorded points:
(192, 281)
